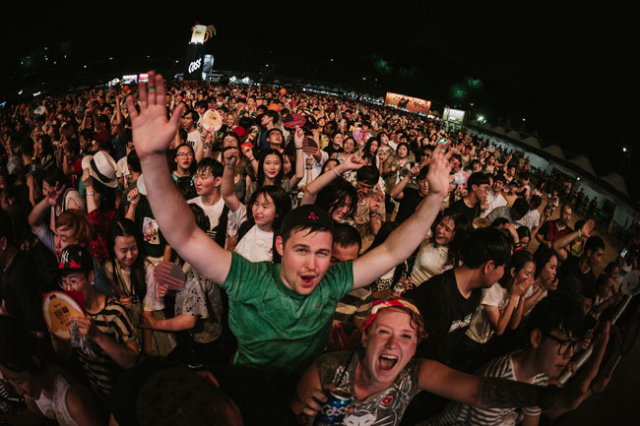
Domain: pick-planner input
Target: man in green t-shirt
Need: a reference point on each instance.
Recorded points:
(280, 314)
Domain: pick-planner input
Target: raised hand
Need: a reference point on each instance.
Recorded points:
(152, 132)
(353, 162)
(298, 137)
(439, 169)
(231, 157)
(53, 194)
(587, 228)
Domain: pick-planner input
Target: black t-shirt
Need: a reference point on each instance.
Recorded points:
(470, 212)
(571, 268)
(447, 315)
(408, 204)
(28, 277)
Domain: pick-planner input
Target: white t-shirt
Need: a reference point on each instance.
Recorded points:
(316, 168)
(480, 329)
(194, 140)
(494, 201)
(215, 211)
(531, 220)
(122, 169)
(256, 245)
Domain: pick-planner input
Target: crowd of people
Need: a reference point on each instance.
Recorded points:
(319, 244)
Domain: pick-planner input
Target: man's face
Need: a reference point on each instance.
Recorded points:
(62, 238)
(595, 257)
(342, 254)
(565, 215)
(305, 259)
(481, 191)
(24, 382)
(266, 119)
(206, 183)
(364, 189)
(423, 186)
(275, 140)
(455, 165)
(554, 352)
(492, 273)
(497, 186)
(186, 122)
(390, 342)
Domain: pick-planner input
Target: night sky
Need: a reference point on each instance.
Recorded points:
(565, 69)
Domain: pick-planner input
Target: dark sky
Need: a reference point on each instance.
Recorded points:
(565, 69)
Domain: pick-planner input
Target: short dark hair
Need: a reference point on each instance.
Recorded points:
(275, 129)
(368, 175)
(134, 162)
(194, 115)
(478, 179)
(209, 164)
(535, 201)
(346, 235)
(593, 244)
(558, 311)
(483, 245)
(177, 396)
(520, 207)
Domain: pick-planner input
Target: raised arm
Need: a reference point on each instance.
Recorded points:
(560, 244)
(152, 134)
(501, 393)
(408, 236)
(397, 193)
(298, 137)
(39, 211)
(353, 162)
(227, 189)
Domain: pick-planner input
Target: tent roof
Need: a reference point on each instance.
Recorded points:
(514, 135)
(499, 130)
(555, 150)
(617, 181)
(584, 163)
(532, 142)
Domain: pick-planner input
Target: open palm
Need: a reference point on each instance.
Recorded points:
(152, 132)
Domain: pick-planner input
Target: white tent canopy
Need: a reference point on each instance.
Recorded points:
(514, 135)
(617, 181)
(532, 142)
(584, 163)
(556, 151)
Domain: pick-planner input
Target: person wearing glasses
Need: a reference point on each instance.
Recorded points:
(553, 332)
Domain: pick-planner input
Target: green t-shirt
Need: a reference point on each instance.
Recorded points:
(276, 327)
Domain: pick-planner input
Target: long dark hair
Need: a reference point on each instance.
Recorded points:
(460, 233)
(518, 261)
(126, 228)
(281, 201)
(279, 176)
(174, 155)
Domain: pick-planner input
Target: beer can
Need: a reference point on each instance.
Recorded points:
(334, 410)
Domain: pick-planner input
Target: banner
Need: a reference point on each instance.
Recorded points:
(455, 115)
(408, 103)
(194, 62)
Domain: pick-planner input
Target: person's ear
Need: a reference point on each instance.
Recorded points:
(365, 338)
(217, 181)
(513, 272)
(488, 265)
(280, 245)
(91, 276)
(536, 338)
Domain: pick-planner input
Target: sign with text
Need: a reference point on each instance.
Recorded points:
(407, 102)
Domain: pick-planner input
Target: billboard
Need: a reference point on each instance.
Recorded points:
(408, 103)
(455, 115)
(194, 61)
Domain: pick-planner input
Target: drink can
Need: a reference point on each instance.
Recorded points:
(334, 410)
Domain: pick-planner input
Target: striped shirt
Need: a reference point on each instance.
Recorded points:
(101, 370)
(457, 413)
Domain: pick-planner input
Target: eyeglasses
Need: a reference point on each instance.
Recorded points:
(565, 345)
(184, 154)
